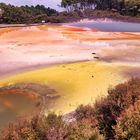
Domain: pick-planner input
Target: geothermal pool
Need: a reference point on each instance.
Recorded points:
(58, 67)
(108, 25)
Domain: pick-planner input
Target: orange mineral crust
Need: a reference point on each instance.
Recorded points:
(24, 48)
(58, 67)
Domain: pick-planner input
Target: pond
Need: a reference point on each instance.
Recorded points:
(15, 105)
(110, 26)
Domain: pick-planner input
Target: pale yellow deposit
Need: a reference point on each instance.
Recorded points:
(78, 83)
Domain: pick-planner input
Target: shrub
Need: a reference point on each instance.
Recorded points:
(119, 99)
(22, 131)
(84, 112)
(115, 117)
(82, 130)
(106, 111)
(128, 124)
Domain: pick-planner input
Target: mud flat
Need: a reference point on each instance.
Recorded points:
(28, 48)
(98, 60)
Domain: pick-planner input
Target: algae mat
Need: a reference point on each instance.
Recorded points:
(75, 84)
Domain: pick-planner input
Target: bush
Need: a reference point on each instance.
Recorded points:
(23, 131)
(84, 112)
(105, 112)
(119, 99)
(115, 117)
(128, 124)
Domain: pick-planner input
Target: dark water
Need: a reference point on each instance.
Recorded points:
(109, 26)
(14, 107)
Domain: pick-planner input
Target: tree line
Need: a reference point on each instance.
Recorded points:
(73, 10)
(130, 7)
(24, 14)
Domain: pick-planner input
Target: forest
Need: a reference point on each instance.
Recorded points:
(73, 10)
(24, 14)
(116, 5)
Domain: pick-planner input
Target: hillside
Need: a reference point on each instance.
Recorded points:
(74, 10)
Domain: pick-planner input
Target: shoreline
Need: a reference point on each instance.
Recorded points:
(17, 25)
(37, 67)
(105, 19)
(118, 19)
(85, 19)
